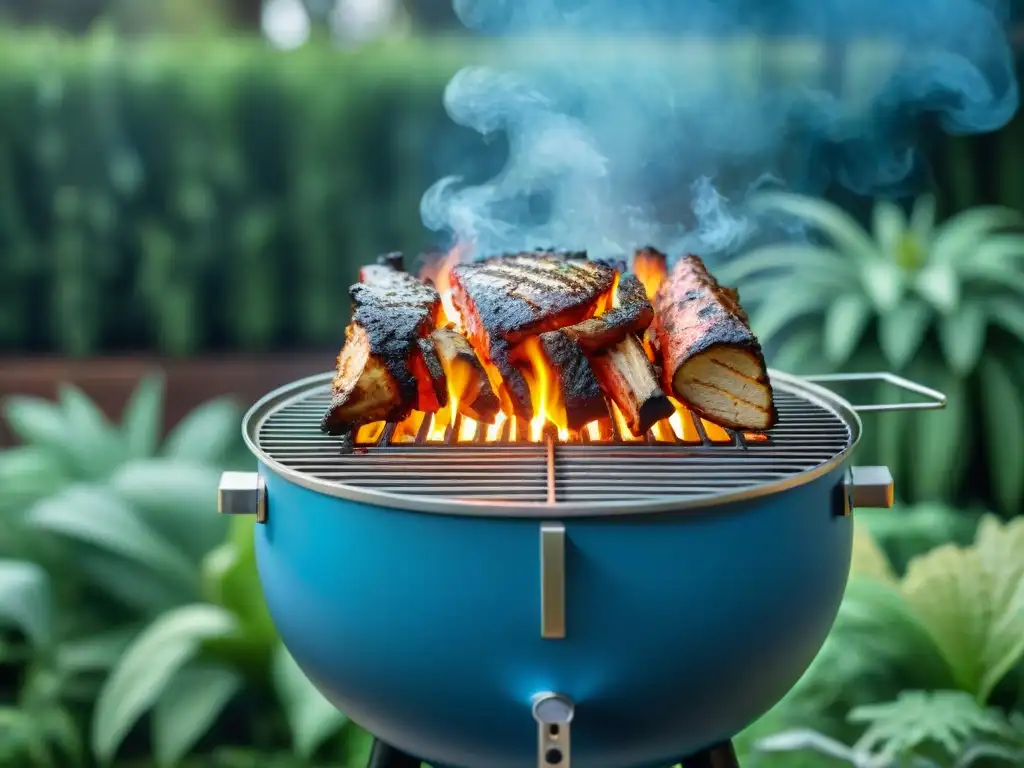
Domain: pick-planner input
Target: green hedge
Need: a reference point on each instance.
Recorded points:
(190, 196)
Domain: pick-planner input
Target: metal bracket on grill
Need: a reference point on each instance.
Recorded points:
(553, 713)
(552, 581)
(867, 488)
(242, 493)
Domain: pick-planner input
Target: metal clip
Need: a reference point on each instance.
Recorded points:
(552, 580)
(553, 713)
(935, 398)
(242, 493)
(868, 488)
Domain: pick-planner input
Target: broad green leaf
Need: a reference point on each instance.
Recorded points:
(868, 560)
(905, 532)
(890, 226)
(876, 646)
(1000, 548)
(883, 283)
(1002, 402)
(947, 718)
(955, 240)
(802, 739)
(774, 317)
(833, 222)
(845, 321)
(177, 498)
(922, 219)
(98, 446)
(26, 600)
(792, 261)
(941, 441)
(939, 285)
(145, 591)
(971, 599)
(95, 652)
(311, 717)
(1008, 314)
(143, 418)
(189, 707)
(799, 351)
(902, 331)
(37, 422)
(1002, 249)
(206, 433)
(98, 517)
(962, 337)
(231, 579)
(357, 746)
(148, 666)
(28, 473)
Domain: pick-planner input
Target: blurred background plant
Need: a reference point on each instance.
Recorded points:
(943, 304)
(187, 179)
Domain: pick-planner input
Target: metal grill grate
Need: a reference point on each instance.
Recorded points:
(809, 433)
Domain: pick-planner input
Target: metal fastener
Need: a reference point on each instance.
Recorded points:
(870, 487)
(553, 713)
(242, 493)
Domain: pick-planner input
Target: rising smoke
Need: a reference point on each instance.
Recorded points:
(650, 121)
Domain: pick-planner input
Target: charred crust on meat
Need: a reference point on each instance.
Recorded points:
(580, 391)
(633, 315)
(433, 373)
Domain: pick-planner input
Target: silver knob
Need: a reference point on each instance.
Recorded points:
(553, 713)
(242, 493)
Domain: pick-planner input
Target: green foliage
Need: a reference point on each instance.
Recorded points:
(182, 194)
(117, 529)
(943, 303)
(936, 642)
(919, 729)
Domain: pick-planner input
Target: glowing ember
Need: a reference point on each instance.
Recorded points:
(439, 424)
(651, 270)
(714, 432)
(683, 425)
(407, 429)
(370, 433)
(467, 430)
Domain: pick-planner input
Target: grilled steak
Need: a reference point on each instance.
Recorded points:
(631, 313)
(375, 379)
(505, 300)
(710, 359)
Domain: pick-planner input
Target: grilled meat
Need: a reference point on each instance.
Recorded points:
(711, 360)
(505, 300)
(627, 377)
(375, 379)
(631, 313)
(574, 379)
(431, 383)
(476, 398)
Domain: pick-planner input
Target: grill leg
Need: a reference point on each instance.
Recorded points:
(385, 756)
(719, 756)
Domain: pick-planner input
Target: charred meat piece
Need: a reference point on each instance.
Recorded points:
(571, 377)
(711, 360)
(375, 379)
(628, 379)
(431, 383)
(466, 375)
(504, 300)
(631, 313)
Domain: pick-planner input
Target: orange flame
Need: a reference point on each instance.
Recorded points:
(545, 390)
(651, 269)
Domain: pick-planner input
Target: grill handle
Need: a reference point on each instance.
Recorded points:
(242, 493)
(935, 398)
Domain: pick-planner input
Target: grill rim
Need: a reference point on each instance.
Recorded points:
(280, 397)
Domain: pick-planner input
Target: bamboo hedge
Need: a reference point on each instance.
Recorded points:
(194, 196)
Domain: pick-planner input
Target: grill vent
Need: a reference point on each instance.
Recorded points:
(808, 434)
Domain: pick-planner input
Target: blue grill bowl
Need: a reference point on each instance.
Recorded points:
(681, 627)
